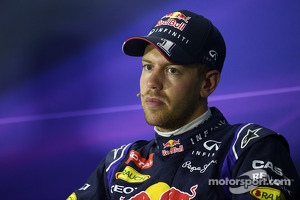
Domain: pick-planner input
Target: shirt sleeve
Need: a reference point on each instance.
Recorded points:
(265, 171)
(95, 187)
(98, 184)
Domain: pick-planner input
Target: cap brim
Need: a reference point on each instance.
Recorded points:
(135, 46)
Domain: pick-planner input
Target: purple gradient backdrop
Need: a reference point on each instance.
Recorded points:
(68, 93)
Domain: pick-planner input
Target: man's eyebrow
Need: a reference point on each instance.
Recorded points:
(146, 60)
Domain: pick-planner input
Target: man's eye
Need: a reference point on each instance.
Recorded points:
(172, 71)
(147, 67)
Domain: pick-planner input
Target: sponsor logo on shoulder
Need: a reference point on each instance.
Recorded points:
(251, 134)
(139, 161)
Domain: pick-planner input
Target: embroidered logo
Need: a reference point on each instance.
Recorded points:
(267, 193)
(212, 144)
(251, 134)
(130, 175)
(172, 146)
(139, 161)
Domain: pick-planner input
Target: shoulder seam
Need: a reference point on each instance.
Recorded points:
(236, 139)
(121, 156)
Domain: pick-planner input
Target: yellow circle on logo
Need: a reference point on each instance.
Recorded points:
(155, 191)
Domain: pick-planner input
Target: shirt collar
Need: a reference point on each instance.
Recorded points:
(186, 127)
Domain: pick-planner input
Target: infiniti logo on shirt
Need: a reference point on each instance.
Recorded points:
(212, 144)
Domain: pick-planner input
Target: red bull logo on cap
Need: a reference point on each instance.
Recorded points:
(162, 191)
(172, 146)
(178, 15)
(172, 20)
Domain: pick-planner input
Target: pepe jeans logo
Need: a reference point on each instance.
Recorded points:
(188, 165)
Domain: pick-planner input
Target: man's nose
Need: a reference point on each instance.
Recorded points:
(155, 80)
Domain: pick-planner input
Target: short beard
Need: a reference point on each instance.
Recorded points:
(170, 120)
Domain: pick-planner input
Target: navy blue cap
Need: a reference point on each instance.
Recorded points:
(183, 37)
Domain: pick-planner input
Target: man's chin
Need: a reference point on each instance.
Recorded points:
(157, 119)
(153, 120)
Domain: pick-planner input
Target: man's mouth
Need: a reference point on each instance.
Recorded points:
(153, 102)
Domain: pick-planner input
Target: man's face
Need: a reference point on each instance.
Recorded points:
(170, 94)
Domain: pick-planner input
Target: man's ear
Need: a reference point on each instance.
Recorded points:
(210, 83)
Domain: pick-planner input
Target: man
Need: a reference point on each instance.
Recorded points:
(196, 153)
